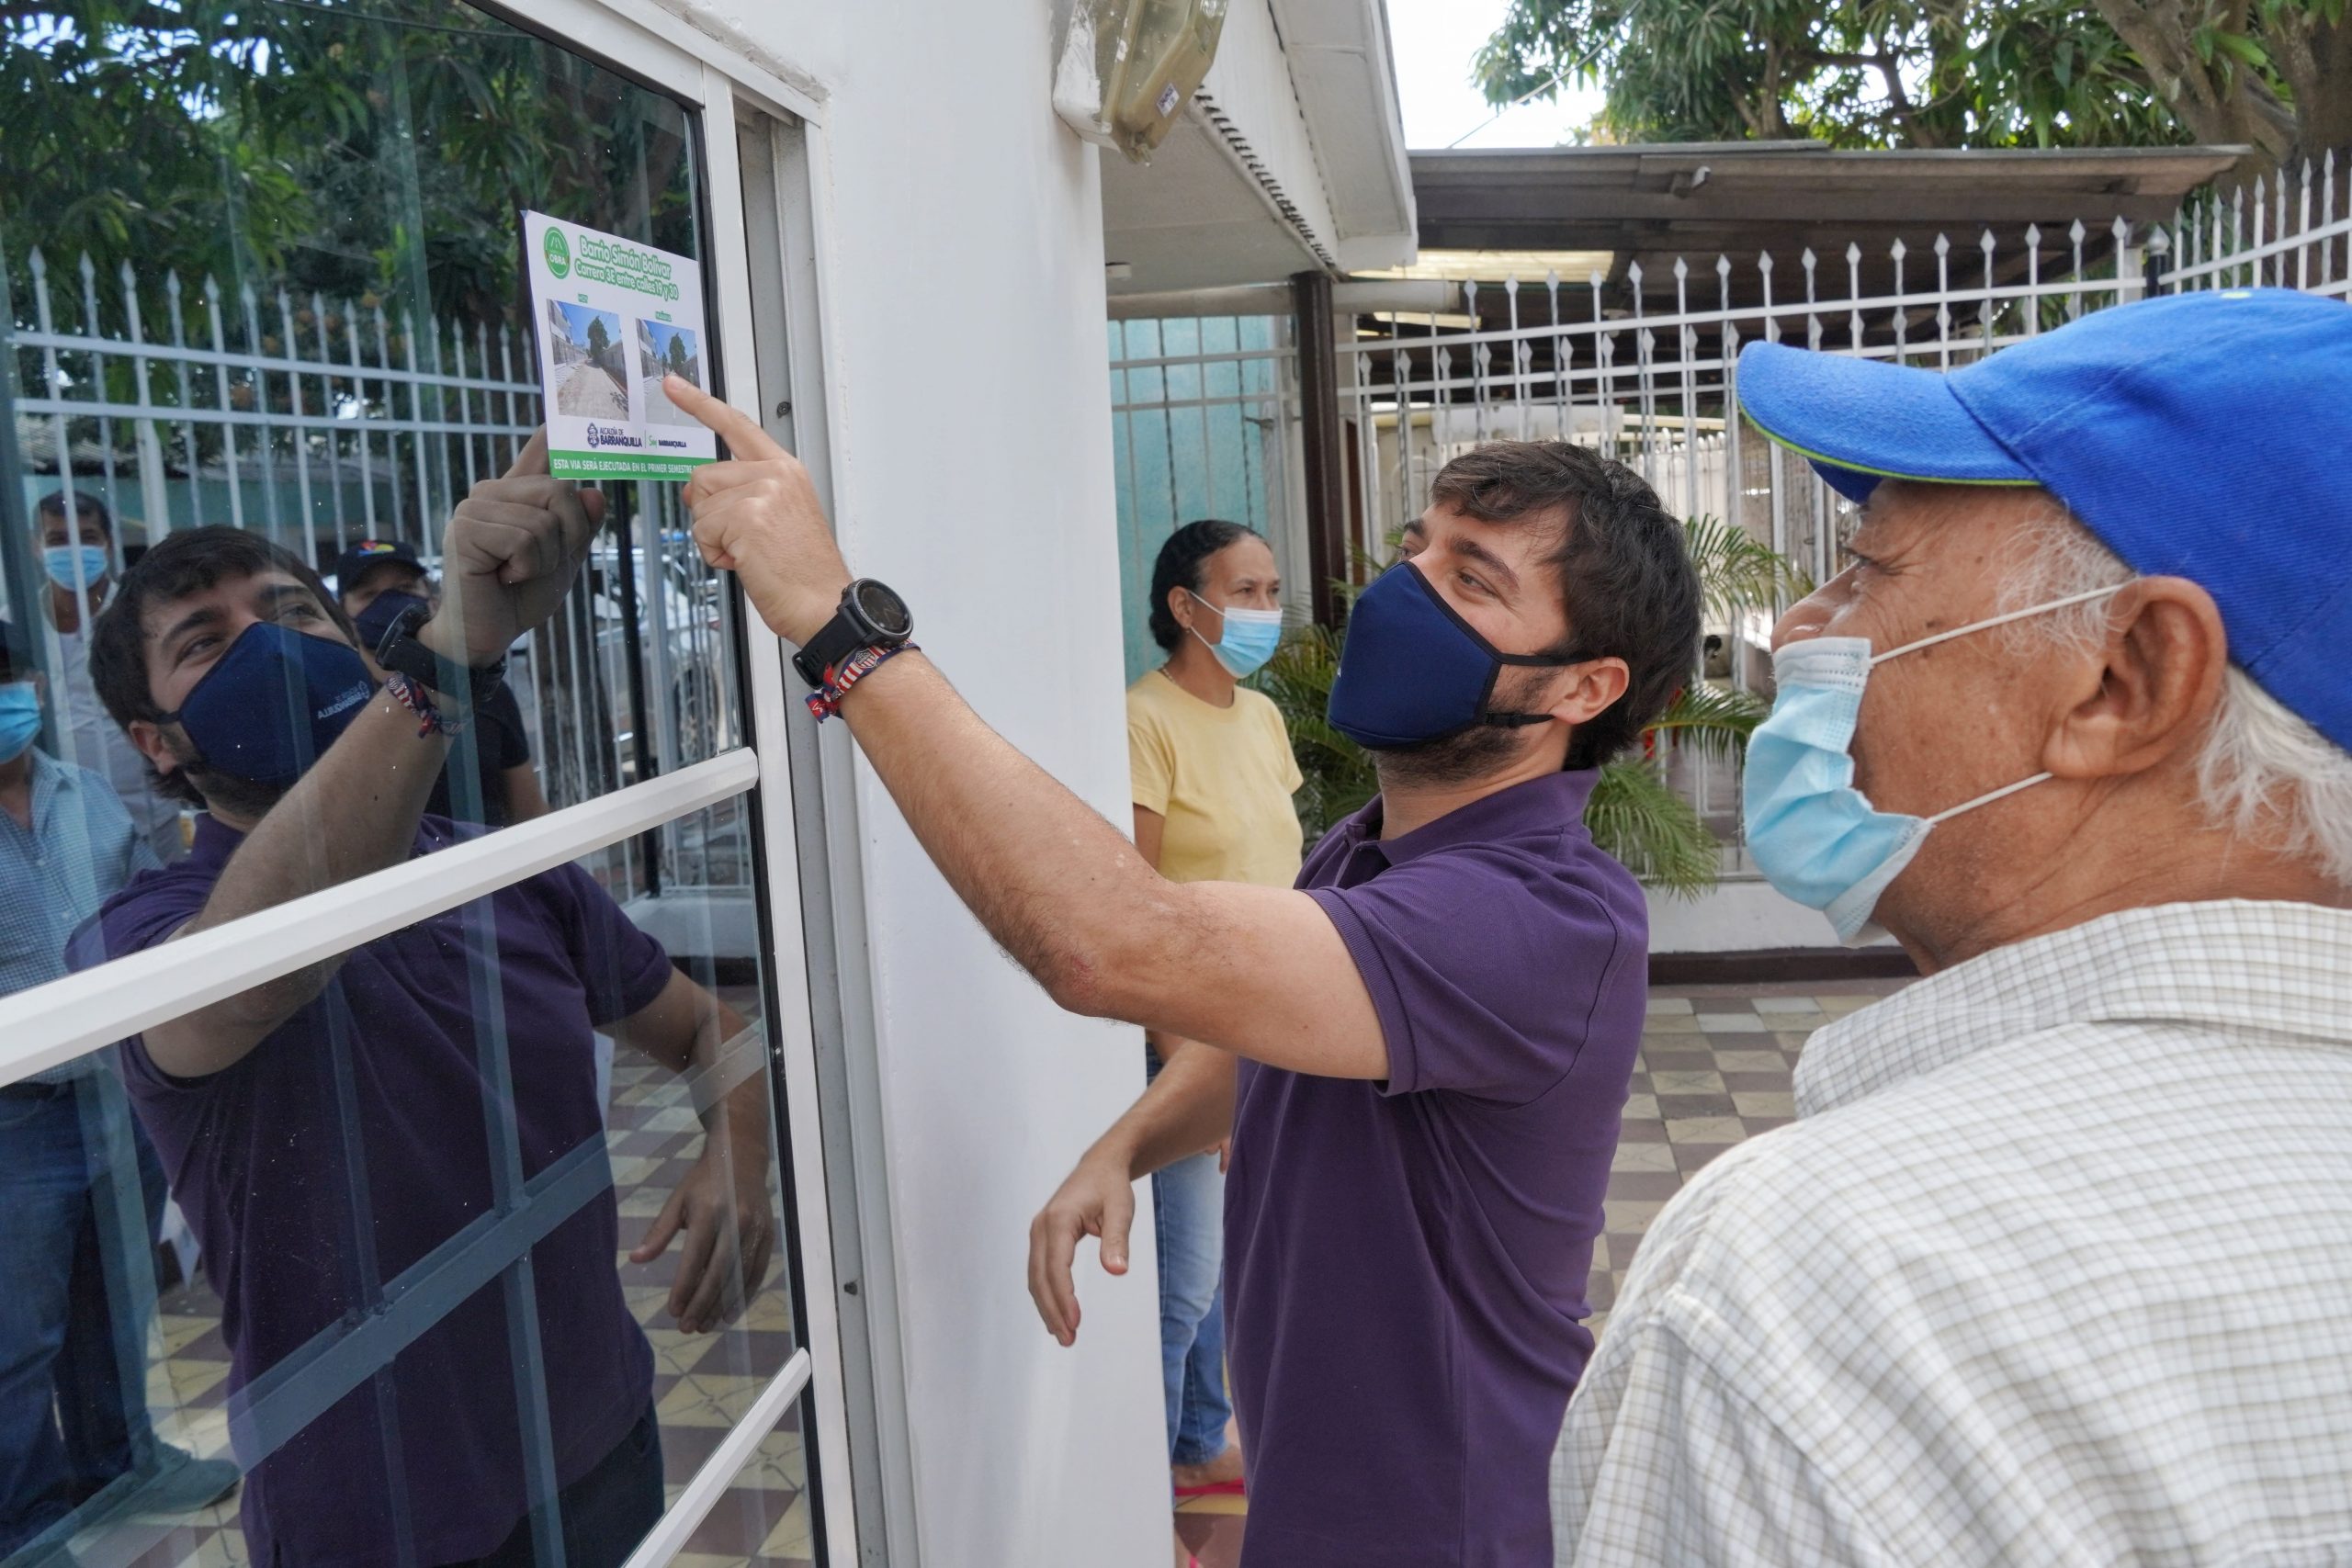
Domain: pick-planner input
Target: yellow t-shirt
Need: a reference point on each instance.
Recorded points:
(1222, 777)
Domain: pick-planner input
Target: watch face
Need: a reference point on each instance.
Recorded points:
(883, 610)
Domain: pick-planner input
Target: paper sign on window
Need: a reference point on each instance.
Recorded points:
(612, 317)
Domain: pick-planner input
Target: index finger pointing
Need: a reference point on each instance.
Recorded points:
(533, 459)
(743, 437)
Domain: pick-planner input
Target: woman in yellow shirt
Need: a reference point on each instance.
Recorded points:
(1214, 775)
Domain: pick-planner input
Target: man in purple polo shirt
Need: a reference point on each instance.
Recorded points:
(1435, 1034)
(328, 1131)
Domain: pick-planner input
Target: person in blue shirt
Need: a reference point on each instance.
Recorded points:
(71, 1429)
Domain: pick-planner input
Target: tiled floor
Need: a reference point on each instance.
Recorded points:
(702, 1383)
(1714, 1070)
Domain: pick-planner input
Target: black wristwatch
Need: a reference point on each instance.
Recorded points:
(402, 654)
(871, 616)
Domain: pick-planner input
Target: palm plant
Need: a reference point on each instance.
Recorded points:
(1634, 813)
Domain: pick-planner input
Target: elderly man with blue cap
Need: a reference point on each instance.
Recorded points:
(2056, 1264)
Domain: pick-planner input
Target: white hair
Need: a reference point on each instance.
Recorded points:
(2263, 774)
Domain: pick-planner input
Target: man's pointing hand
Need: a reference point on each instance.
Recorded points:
(757, 515)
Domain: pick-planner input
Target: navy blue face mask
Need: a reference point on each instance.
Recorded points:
(274, 703)
(1413, 671)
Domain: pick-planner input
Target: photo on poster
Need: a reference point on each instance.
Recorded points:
(588, 381)
(663, 349)
(612, 318)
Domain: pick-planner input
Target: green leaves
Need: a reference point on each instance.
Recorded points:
(1886, 73)
(1654, 832)
(1739, 574)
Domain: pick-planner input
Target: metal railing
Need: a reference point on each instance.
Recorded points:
(1645, 370)
(319, 421)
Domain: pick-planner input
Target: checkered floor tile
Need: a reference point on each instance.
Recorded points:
(702, 1383)
(1714, 1070)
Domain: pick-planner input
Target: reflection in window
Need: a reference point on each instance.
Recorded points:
(425, 1211)
(271, 281)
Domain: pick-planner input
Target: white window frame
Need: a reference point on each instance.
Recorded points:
(87, 1012)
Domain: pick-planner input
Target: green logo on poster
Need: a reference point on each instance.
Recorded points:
(559, 254)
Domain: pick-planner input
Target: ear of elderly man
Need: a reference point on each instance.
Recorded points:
(2054, 1265)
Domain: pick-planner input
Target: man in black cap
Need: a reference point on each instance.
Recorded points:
(376, 579)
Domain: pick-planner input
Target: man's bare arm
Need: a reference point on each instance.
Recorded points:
(721, 1205)
(510, 550)
(1258, 971)
(355, 811)
(1187, 1109)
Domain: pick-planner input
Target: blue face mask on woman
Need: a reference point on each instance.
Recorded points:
(1814, 836)
(1413, 671)
(1250, 639)
(274, 703)
(62, 562)
(19, 719)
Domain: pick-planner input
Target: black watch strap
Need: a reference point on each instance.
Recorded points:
(834, 641)
(846, 634)
(402, 654)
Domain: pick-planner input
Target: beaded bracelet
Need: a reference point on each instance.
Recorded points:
(826, 701)
(430, 719)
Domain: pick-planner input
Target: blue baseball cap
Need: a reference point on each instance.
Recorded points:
(2199, 435)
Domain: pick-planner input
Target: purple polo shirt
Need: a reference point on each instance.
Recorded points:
(258, 1158)
(1405, 1262)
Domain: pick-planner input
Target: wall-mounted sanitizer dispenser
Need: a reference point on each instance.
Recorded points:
(1125, 68)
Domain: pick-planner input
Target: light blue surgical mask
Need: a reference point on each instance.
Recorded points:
(60, 561)
(1250, 639)
(1814, 836)
(19, 719)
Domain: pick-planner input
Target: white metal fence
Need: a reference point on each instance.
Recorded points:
(318, 422)
(1645, 370)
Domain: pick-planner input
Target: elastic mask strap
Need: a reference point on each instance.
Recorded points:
(1522, 720)
(1989, 799)
(2072, 599)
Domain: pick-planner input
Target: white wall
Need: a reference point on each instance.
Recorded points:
(972, 470)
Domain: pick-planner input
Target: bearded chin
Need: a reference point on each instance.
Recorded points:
(239, 798)
(223, 792)
(1475, 753)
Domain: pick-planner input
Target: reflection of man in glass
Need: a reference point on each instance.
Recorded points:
(342, 1136)
(78, 560)
(70, 1425)
(376, 579)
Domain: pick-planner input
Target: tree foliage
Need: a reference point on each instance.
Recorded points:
(2274, 76)
(379, 149)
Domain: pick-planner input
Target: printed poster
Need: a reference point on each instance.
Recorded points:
(612, 318)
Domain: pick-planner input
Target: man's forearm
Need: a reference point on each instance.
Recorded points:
(1187, 1109)
(1060, 887)
(355, 811)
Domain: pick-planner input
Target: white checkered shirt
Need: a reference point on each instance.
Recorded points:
(2055, 1267)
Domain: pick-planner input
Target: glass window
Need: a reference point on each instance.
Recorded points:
(261, 267)
(467, 1244)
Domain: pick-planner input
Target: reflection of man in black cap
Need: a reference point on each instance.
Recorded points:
(378, 578)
